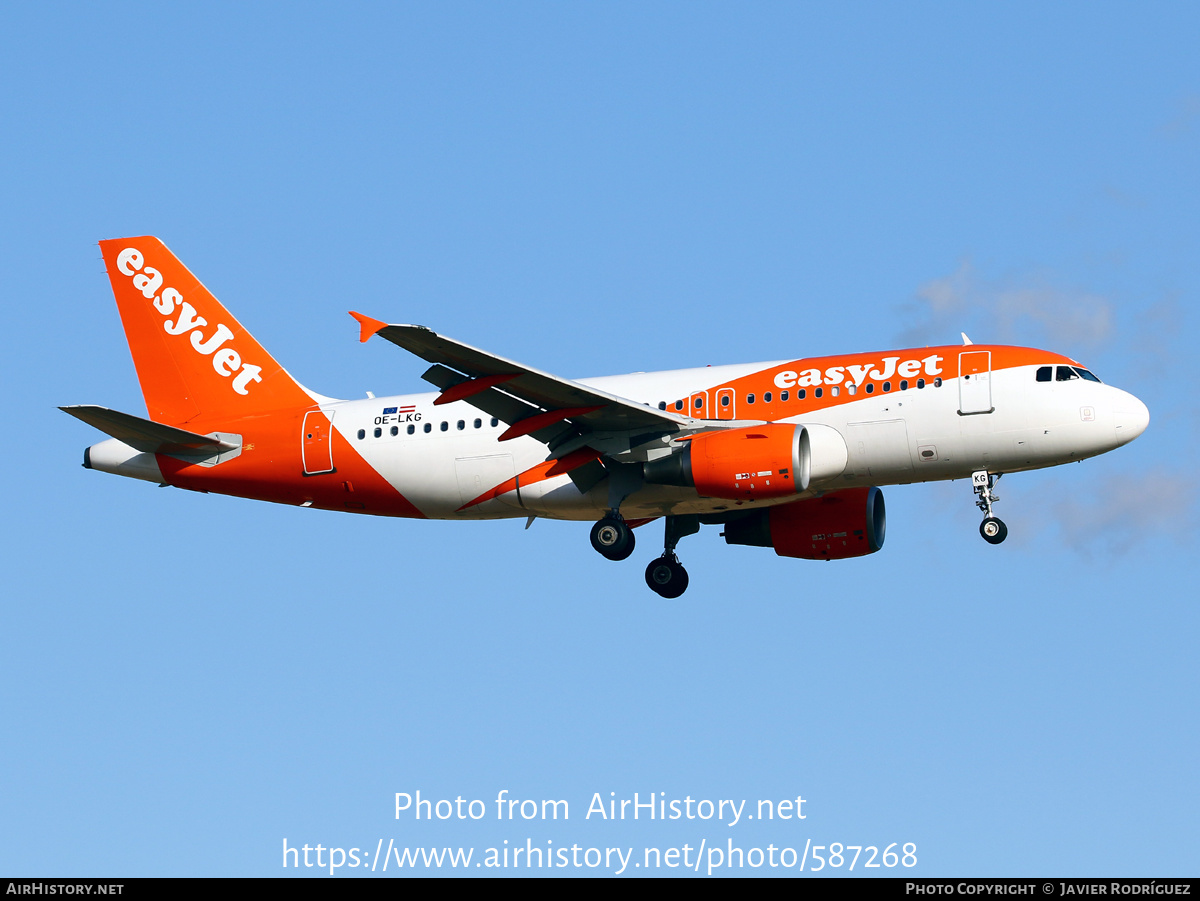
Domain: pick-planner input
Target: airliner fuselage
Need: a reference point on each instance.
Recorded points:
(813, 437)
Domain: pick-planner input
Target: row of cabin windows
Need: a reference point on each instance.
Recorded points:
(461, 425)
(1064, 374)
(1045, 373)
(802, 393)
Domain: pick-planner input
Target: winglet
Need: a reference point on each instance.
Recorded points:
(369, 326)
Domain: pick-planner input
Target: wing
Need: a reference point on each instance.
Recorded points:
(552, 409)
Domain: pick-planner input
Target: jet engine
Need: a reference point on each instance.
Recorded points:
(834, 526)
(754, 462)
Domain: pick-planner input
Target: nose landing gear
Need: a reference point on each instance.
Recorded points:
(992, 529)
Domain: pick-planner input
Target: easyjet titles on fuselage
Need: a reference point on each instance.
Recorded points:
(225, 360)
(860, 372)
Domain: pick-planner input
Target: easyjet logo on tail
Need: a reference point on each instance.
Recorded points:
(225, 360)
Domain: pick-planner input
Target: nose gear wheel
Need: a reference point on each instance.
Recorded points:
(992, 529)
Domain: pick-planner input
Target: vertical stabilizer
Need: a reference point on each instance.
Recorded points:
(193, 359)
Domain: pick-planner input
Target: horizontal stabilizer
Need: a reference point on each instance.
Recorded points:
(147, 436)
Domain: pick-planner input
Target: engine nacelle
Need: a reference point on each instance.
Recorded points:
(755, 462)
(836, 525)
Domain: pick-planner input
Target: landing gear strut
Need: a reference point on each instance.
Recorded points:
(612, 536)
(992, 529)
(666, 575)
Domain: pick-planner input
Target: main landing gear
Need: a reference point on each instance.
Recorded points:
(612, 537)
(666, 575)
(992, 529)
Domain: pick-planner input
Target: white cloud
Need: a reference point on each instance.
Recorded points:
(1155, 338)
(1185, 118)
(1068, 317)
(1126, 512)
(1029, 310)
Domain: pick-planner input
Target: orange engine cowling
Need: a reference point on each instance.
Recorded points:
(753, 462)
(839, 524)
(758, 462)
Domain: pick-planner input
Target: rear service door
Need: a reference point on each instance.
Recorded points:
(317, 448)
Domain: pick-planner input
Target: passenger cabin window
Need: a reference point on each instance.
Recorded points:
(920, 383)
(428, 427)
(783, 395)
(478, 423)
(801, 394)
(362, 433)
(378, 432)
(412, 429)
(495, 422)
(767, 397)
(818, 392)
(395, 430)
(749, 398)
(1044, 373)
(678, 405)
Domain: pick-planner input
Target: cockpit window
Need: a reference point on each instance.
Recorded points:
(1065, 374)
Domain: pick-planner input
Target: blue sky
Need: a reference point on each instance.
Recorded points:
(188, 680)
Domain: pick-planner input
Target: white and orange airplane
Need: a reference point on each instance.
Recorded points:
(788, 455)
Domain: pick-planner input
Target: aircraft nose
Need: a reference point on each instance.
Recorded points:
(1130, 418)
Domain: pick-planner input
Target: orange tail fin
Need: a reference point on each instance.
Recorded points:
(193, 359)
